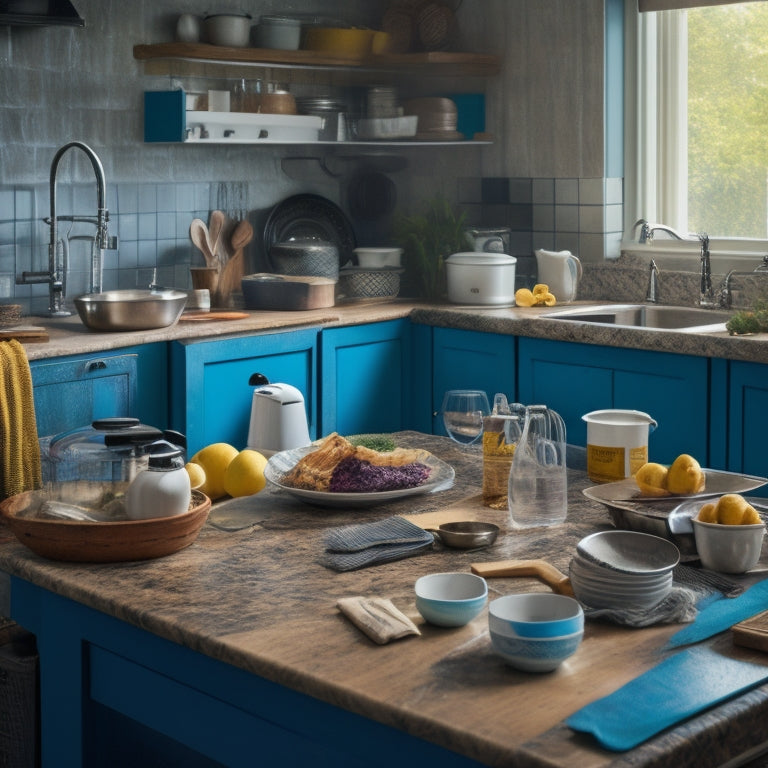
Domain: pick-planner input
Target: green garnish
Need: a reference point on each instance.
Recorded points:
(380, 443)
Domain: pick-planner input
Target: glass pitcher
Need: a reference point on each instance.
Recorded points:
(538, 484)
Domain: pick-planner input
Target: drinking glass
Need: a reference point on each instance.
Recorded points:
(463, 413)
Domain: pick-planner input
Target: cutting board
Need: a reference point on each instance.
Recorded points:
(26, 334)
(753, 632)
(205, 317)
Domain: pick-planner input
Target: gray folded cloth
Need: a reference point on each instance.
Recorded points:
(378, 618)
(358, 546)
(692, 589)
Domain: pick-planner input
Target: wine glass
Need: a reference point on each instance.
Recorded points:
(463, 413)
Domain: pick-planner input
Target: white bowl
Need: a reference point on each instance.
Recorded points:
(728, 548)
(450, 599)
(373, 258)
(537, 631)
(629, 552)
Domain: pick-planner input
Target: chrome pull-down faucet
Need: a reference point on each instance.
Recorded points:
(652, 296)
(56, 274)
(707, 293)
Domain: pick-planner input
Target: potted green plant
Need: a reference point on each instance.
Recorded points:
(427, 239)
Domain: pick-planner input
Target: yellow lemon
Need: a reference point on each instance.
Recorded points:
(651, 479)
(524, 298)
(540, 289)
(685, 476)
(245, 474)
(730, 509)
(214, 459)
(708, 513)
(548, 299)
(196, 474)
(750, 516)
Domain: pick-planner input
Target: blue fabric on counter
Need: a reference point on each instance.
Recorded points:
(722, 614)
(358, 546)
(674, 690)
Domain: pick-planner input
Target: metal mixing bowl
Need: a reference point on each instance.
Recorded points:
(131, 310)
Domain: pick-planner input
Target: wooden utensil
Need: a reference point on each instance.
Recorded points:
(204, 317)
(231, 275)
(199, 234)
(215, 228)
(546, 572)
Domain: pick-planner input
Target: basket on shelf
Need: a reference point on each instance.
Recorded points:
(360, 283)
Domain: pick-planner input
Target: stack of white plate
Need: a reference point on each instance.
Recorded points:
(623, 569)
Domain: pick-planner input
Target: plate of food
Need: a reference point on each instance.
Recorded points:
(334, 472)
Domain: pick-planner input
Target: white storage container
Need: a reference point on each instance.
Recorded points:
(481, 278)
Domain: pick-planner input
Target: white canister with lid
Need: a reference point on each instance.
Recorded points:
(161, 490)
(477, 278)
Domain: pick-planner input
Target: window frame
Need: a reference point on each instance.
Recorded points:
(655, 103)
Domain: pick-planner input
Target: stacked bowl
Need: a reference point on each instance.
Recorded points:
(623, 569)
(536, 631)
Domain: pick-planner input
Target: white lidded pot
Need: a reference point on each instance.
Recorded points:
(278, 419)
(162, 489)
(617, 443)
(478, 278)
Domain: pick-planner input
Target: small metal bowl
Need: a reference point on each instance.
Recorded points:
(130, 310)
(467, 535)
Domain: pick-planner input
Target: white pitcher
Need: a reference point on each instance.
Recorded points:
(561, 271)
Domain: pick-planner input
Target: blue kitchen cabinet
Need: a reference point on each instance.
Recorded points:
(470, 360)
(365, 376)
(747, 421)
(72, 391)
(574, 379)
(211, 389)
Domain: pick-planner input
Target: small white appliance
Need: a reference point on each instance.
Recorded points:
(278, 419)
(477, 278)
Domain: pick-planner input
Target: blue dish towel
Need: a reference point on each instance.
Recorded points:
(357, 546)
(723, 614)
(677, 688)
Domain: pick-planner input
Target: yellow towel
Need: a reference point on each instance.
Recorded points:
(20, 468)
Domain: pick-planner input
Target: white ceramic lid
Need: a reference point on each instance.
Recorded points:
(480, 258)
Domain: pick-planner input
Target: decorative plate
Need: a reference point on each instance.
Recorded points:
(281, 463)
(313, 217)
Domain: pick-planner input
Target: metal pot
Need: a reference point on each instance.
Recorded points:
(307, 257)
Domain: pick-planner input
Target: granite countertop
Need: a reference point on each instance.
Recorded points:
(68, 336)
(252, 592)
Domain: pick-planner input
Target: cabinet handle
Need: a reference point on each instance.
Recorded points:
(257, 379)
(96, 365)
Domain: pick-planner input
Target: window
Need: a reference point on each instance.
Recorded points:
(699, 158)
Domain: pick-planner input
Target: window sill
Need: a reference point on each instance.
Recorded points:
(742, 256)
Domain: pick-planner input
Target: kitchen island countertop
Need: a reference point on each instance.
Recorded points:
(68, 336)
(251, 593)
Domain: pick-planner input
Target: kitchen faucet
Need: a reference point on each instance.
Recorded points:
(652, 296)
(56, 274)
(706, 292)
(726, 297)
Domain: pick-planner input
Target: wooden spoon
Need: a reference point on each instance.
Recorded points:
(198, 232)
(241, 235)
(215, 227)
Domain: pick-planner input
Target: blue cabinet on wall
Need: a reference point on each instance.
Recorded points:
(365, 374)
(747, 420)
(71, 392)
(470, 360)
(575, 379)
(211, 395)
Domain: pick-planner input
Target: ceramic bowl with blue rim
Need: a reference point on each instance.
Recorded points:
(536, 615)
(450, 599)
(535, 654)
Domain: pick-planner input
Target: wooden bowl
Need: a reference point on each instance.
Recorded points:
(107, 542)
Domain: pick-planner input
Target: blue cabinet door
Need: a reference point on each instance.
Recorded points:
(211, 395)
(747, 419)
(575, 379)
(471, 360)
(365, 374)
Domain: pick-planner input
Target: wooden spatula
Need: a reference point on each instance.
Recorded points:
(542, 570)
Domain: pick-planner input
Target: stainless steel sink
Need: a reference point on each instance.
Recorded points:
(648, 316)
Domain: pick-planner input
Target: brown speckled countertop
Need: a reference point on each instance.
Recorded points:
(68, 336)
(259, 599)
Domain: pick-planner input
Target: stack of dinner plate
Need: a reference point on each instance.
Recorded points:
(623, 569)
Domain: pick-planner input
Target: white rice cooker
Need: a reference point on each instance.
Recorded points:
(278, 419)
(478, 278)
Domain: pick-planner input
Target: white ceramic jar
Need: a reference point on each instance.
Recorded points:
(161, 490)
(228, 29)
(278, 32)
(481, 278)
